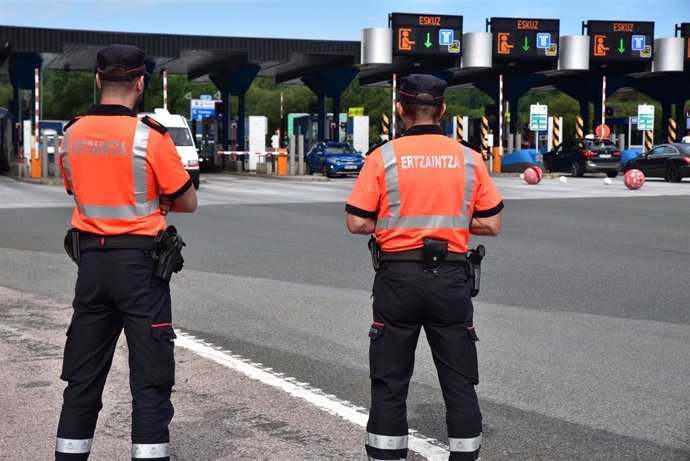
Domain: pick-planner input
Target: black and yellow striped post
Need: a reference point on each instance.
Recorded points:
(485, 132)
(671, 130)
(648, 140)
(579, 127)
(459, 128)
(556, 132)
(385, 124)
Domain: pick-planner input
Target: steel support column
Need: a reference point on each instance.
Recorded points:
(329, 83)
(234, 80)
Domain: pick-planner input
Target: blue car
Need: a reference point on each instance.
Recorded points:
(332, 158)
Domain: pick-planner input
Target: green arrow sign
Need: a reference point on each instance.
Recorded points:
(526, 45)
(621, 48)
(428, 40)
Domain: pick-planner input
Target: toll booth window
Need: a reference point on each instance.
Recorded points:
(181, 136)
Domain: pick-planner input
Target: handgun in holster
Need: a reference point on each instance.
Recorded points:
(374, 249)
(168, 253)
(71, 243)
(474, 258)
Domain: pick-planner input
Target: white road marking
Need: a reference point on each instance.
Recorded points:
(429, 448)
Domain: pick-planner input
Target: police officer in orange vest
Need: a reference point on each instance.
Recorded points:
(422, 195)
(125, 175)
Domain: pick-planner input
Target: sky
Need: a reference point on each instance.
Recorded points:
(322, 19)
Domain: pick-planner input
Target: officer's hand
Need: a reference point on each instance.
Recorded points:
(165, 205)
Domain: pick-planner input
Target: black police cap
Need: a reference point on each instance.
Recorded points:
(422, 89)
(118, 63)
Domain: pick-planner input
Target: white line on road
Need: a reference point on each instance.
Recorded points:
(429, 448)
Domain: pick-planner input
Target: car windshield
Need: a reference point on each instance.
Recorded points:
(339, 150)
(181, 136)
(684, 148)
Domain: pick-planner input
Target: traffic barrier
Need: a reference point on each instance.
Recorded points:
(648, 140)
(579, 127)
(485, 132)
(385, 124)
(459, 128)
(556, 132)
(671, 130)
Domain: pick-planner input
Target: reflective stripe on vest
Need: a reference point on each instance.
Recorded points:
(465, 445)
(386, 442)
(65, 161)
(150, 450)
(396, 221)
(73, 446)
(141, 206)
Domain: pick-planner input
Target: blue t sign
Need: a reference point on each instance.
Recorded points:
(445, 37)
(543, 40)
(638, 42)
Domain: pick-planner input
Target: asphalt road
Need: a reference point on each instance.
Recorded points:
(583, 315)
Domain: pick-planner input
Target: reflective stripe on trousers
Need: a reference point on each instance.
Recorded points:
(387, 442)
(465, 445)
(150, 450)
(396, 221)
(141, 206)
(73, 446)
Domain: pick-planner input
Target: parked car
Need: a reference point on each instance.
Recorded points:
(668, 161)
(332, 158)
(581, 156)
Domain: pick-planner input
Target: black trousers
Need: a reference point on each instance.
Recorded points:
(116, 290)
(407, 298)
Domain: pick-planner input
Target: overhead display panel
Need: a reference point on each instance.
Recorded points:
(685, 33)
(519, 38)
(426, 35)
(620, 40)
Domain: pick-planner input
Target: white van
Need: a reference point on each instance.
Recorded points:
(182, 137)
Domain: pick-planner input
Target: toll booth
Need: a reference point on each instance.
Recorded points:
(624, 132)
(208, 133)
(358, 132)
(307, 125)
(6, 147)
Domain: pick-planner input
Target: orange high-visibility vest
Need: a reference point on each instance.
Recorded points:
(117, 166)
(425, 185)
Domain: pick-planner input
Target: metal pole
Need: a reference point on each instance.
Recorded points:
(165, 89)
(393, 109)
(500, 115)
(291, 156)
(603, 100)
(300, 154)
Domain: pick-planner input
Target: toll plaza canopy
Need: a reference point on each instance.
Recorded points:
(196, 56)
(529, 53)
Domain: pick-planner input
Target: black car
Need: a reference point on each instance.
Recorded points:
(581, 156)
(668, 161)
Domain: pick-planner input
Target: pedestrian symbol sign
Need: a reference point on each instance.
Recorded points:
(538, 113)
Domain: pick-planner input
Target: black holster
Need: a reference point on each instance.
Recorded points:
(433, 254)
(168, 253)
(374, 249)
(71, 243)
(474, 259)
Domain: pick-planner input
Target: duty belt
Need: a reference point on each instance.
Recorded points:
(115, 242)
(417, 256)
